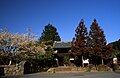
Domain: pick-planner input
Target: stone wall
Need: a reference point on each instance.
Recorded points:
(90, 68)
(66, 69)
(13, 70)
(9, 70)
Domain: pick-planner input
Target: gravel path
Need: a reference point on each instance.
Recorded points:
(71, 75)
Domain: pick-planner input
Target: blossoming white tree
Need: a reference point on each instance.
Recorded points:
(18, 47)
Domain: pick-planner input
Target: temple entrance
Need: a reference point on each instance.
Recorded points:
(61, 52)
(27, 68)
(2, 71)
(61, 61)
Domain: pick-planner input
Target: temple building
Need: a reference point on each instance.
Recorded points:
(61, 52)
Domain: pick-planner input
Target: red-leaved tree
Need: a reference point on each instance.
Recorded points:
(79, 43)
(97, 42)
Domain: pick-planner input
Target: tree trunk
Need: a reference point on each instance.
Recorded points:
(102, 61)
(57, 62)
(10, 62)
(82, 62)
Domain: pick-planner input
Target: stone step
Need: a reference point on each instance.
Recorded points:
(65, 69)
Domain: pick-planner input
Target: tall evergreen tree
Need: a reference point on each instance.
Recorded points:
(79, 43)
(97, 41)
(50, 34)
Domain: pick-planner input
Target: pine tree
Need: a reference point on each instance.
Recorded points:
(79, 43)
(49, 34)
(97, 42)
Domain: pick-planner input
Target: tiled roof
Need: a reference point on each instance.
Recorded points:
(58, 44)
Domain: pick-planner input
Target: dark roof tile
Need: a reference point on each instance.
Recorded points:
(58, 44)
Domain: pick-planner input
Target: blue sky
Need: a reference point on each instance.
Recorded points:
(65, 15)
